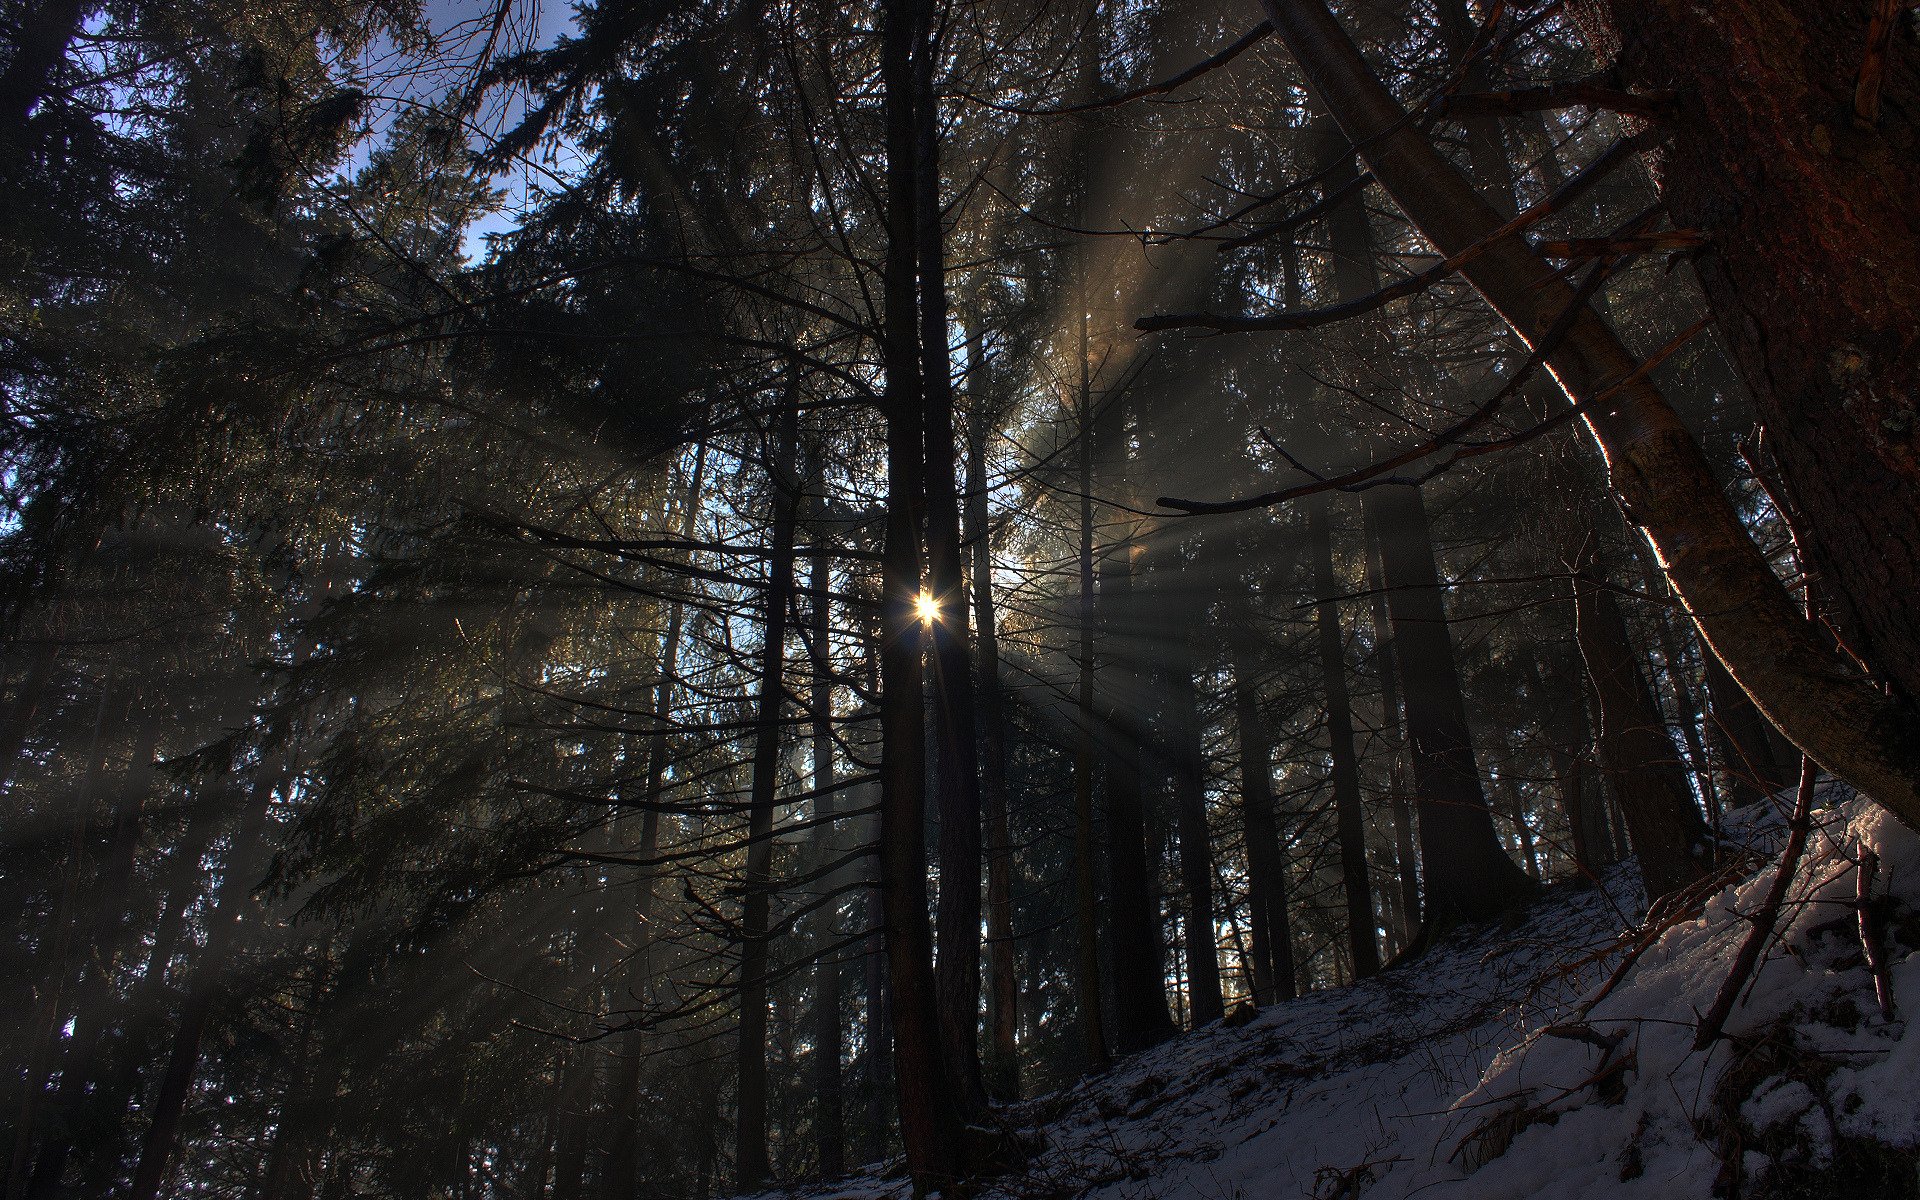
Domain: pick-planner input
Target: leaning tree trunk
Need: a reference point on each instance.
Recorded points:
(1806, 186)
(1739, 734)
(1658, 472)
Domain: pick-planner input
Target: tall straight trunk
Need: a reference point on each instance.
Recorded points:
(1805, 191)
(1187, 764)
(930, 1116)
(1086, 901)
(1569, 737)
(623, 1149)
(957, 762)
(1269, 929)
(289, 1159)
(1635, 751)
(1658, 472)
(1140, 1017)
(1740, 735)
(1002, 1073)
(1467, 875)
(1351, 821)
(830, 1122)
(757, 886)
(212, 977)
(1406, 857)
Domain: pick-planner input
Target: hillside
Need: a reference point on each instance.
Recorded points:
(1477, 1076)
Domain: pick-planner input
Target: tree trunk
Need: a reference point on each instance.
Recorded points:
(1467, 875)
(1740, 738)
(1813, 273)
(1406, 858)
(1658, 472)
(28, 79)
(1635, 751)
(1351, 821)
(830, 1122)
(957, 763)
(930, 1122)
(1269, 928)
(1188, 767)
(1002, 1075)
(1086, 903)
(750, 1150)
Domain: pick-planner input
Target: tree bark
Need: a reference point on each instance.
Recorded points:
(1269, 928)
(1812, 272)
(1187, 764)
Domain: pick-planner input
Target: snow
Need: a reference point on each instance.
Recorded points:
(1472, 1074)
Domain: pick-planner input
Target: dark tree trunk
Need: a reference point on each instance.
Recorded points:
(1140, 1017)
(750, 1151)
(44, 37)
(1814, 267)
(1187, 765)
(1350, 819)
(1740, 736)
(1269, 929)
(830, 1121)
(1466, 873)
(1635, 751)
(1406, 857)
(1086, 902)
(1002, 1076)
(930, 1120)
(957, 762)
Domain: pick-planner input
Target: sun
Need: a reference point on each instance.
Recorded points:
(926, 608)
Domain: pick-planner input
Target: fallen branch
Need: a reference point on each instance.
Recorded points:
(1244, 43)
(1764, 921)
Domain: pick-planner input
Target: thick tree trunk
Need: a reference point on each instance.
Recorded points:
(1658, 472)
(1813, 270)
(1466, 873)
(750, 1150)
(930, 1120)
(1350, 819)
(1638, 756)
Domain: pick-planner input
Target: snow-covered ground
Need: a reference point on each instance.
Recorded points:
(1480, 1071)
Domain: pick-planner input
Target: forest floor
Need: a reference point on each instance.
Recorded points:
(1521, 1061)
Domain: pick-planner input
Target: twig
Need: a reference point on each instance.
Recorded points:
(1871, 942)
(1764, 921)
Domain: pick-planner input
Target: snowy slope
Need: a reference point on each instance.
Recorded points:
(1473, 1074)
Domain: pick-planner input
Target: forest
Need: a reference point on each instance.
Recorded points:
(666, 599)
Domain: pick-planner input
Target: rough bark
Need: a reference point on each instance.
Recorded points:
(1812, 271)
(1270, 930)
(1187, 766)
